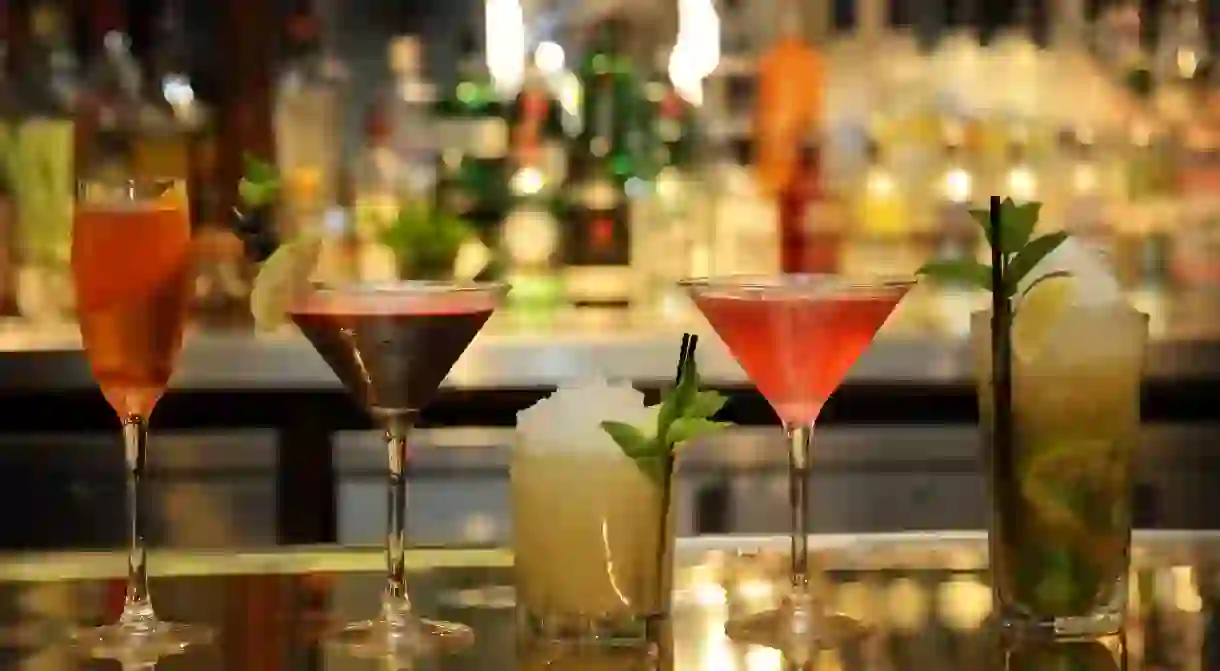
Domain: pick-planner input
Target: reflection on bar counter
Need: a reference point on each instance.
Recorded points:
(596, 153)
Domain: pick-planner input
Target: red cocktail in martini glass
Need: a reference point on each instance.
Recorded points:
(392, 344)
(795, 336)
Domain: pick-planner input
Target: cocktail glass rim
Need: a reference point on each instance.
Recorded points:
(817, 282)
(422, 287)
(164, 181)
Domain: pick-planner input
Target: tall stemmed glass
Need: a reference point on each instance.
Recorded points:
(392, 344)
(796, 336)
(131, 266)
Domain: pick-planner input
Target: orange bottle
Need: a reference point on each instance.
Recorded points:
(789, 104)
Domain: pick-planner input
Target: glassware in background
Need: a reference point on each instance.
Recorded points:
(131, 265)
(579, 502)
(40, 167)
(796, 336)
(1060, 535)
(309, 130)
(392, 344)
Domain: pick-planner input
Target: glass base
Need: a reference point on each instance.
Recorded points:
(796, 626)
(382, 639)
(575, 629)
(1019, 626)
(141, 643)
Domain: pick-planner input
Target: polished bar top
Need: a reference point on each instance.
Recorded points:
(925, 342)
(923, 598)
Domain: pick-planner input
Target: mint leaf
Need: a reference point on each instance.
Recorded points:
(1043, 278)
(1017, 224)
(260, 185)
(257, 194)
(630, 440)
(654, 467)
(669, 410)
(958, 271)
(706, 404)
(1028, 257)
(689, 428)
(983, 219)
(682, 416)
(258, 170)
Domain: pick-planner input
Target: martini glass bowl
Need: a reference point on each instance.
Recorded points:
(392, 344)
(796, 336)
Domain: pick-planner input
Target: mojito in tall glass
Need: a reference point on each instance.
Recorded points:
(1060, 530)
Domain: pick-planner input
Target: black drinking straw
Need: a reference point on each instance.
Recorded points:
(1001, 358)
(685, 356)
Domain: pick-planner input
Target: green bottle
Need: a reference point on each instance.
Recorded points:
(609, 152)
(473, 169)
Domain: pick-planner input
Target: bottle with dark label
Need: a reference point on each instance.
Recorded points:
(597, 245)
(809, 223)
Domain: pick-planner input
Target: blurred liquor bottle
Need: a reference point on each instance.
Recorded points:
(536, 119)
(791, 82)
(601, 160)
(10, 118)
(668, 200)
(110, 109)
(175, 134)
(956, 233)
(41, 166)
(810, 219)
(308, 124)
(476, 147)
(379, 187)
(529, 238)
(409, 114)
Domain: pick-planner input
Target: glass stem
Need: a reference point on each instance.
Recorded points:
(800, 439)
(396, 606)
(137, 605)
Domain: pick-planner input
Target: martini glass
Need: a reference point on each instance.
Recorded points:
(391, 344)
(796, 336)
(132, 270)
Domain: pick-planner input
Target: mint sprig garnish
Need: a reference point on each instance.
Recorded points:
(685, 414)
(1019, 250)
(260, 185)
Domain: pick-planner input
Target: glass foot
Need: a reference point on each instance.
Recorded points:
(1019, 627)
(795, 627)
(140, 643)
(381, 639)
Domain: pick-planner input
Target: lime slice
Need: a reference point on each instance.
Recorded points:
(282, 278)
(1038, 313)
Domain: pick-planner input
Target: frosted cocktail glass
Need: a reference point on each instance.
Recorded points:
(1060, 508)
(593, 533)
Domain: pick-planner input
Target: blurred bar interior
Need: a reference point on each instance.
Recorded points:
(592, 152)
(523, 118)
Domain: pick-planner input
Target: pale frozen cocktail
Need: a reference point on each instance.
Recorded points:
(592, 559)
(1061, 499)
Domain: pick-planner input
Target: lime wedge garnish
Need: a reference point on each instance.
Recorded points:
(282, 279)
(1039, 312)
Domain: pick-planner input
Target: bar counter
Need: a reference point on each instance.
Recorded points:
(923, 598)
(924, 343)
